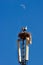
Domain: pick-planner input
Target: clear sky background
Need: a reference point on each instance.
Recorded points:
(13, 15)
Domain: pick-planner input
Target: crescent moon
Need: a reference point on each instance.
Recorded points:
(23, 6)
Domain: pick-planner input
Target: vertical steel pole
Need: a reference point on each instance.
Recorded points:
(23, 54)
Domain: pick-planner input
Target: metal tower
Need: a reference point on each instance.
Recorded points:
(24, 39)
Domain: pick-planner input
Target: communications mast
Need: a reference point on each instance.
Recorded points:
(24, 39)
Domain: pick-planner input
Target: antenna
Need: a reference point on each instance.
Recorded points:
(23, 48)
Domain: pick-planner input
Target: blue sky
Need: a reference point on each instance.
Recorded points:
(12, 18)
